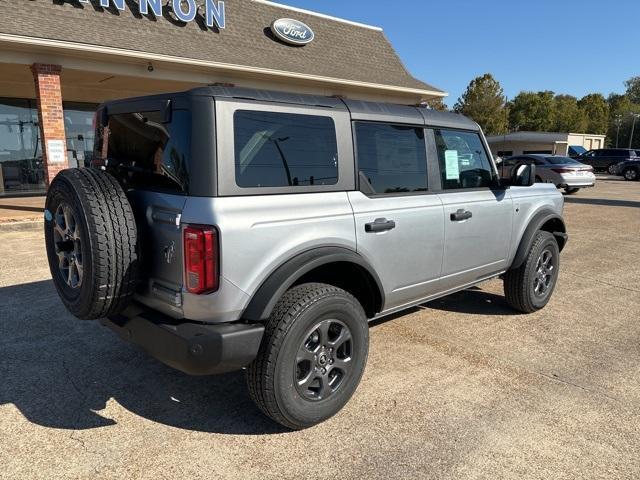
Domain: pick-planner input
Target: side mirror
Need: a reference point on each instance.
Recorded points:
(523, 174)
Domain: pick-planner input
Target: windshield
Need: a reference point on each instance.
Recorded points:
(576, 150)
(561, 160)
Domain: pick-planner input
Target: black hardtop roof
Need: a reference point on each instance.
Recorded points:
(360, 110)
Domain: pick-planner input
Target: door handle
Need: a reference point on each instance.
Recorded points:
(461, 215)
(379, 225)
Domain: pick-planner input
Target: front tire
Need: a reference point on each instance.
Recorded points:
(529, 287)
(312, 356)
(571, 191)
(612, 169)
(631, 174)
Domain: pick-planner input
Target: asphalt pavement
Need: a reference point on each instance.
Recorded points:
(463, 387)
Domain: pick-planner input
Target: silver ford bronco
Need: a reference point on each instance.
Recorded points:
(227, 228)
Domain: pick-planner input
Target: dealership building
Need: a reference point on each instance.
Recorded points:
(549, 143)
(60, 58)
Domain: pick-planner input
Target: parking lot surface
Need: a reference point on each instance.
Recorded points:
(460, 388)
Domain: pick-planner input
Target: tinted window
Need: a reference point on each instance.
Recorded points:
(561, 160)
(391, 158)
(283, 149)
(463, 160)
(146, 153)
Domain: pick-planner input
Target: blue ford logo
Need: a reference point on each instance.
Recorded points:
(292, 31)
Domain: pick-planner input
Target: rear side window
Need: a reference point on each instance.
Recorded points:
(463, 160)
(391, 158)
(143, 152)
(283, 149)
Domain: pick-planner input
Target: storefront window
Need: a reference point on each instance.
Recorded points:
(21, 163)
(78, 126)
(21, 167)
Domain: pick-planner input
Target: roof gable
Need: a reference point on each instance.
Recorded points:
(340, 50)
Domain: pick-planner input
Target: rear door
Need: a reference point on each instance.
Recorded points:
(477, 216)
(149, 151)
(398, 217)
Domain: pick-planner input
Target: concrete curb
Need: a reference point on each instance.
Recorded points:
(24, 226)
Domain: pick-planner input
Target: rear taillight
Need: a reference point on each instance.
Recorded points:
(564, 170)
(201, 259)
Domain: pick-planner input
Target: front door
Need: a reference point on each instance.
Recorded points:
(477, 218)
(398, 220)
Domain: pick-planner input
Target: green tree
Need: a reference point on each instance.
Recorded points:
(619, 109)
(532, 111)
(568, 117)
(596, 112)
(484, 102)
(633, 89)
(437, 104)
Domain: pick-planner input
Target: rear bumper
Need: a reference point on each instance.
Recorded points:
(576, 184)
(192, 348)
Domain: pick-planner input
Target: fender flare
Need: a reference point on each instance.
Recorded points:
(535, 224)
(282, 278)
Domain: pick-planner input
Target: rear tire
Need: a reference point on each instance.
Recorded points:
(529, 287)
(571, 191)
(91, 241)
(312, 356)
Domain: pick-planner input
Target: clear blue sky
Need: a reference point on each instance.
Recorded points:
(568, 46)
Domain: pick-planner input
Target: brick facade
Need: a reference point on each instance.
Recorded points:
(50, 114)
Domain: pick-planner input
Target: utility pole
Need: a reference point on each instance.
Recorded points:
(618, 122)
(633, 126)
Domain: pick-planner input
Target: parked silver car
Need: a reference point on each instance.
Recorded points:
(230, 228)
(563, 172)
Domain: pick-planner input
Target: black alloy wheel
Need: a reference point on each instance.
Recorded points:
(323, 361)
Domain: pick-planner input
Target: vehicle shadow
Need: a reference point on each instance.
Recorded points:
(602, 201)
(22, 208)
(470, 301)
(60, 372)
(473, 301)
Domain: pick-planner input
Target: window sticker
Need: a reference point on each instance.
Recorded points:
(452, 166)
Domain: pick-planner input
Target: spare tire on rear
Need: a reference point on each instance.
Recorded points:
(91, 241)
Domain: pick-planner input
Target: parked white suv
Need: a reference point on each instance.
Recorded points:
(225, 228)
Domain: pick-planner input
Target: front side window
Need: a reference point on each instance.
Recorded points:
(283, 149)
(463, 160)
(391, 158)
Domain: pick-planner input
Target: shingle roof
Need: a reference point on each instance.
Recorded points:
(340, 50)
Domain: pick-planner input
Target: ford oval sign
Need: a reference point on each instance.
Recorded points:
(292, 31)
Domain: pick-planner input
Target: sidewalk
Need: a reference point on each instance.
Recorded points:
(21, 209)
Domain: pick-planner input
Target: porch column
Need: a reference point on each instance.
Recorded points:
(51, 119)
